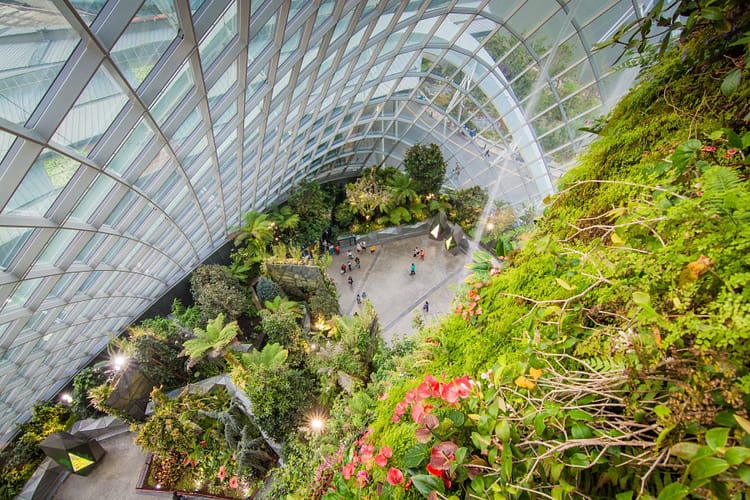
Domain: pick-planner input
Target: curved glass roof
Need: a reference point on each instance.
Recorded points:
(134, 134)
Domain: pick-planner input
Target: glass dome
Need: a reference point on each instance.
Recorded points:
(133, 135)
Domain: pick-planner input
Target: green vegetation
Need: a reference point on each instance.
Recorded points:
(426, 167)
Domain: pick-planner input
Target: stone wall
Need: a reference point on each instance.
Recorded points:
(295, 279)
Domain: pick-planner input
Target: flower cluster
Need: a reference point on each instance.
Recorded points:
(364, 458)
(450, 392)
(473, 308)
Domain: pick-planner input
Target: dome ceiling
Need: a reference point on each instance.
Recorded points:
(133, 135)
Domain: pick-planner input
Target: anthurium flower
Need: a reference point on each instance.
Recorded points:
(442, 454)
(418, 410)
(395, 476)
(386, 451)
(380, 460)
(222, 473)
(234, 482)
(348, 470)
(361, 478)
(365, 453)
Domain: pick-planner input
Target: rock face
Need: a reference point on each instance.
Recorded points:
(295, 279)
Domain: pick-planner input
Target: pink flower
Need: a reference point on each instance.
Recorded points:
(708, 149)
(348, 470)
(383, 396)
(365, 453)
(386, 451)
(411, 396)
(730, 152)
(234, 482)
(380, 460)
(395, 476)
(464, 386)
(361, 478)
(222, 473)
(398, 412)
(418, 410)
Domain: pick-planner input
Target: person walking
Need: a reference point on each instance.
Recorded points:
(343, 268)
(357, 262)
(413, 269)
(426, 307)
(364, 295)
(421, 254)
(349, 266)
(350, 281)
(416, 251)
(359, 299)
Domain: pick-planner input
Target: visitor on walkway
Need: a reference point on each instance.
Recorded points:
(349, 254)
(356, 262)
(343, 268)
(364, 295)
(416, 251)
(359, 299)
(426, 306)
(350, 281)
(421, 254)
(413, 269)
(349, 266)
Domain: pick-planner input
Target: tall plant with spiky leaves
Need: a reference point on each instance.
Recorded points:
(258, 231)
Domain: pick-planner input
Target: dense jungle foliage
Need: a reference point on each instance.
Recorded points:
(609, 358)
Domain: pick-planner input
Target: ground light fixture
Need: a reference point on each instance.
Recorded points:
(316, 422)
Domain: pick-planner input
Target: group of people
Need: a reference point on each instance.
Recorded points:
(419, 252)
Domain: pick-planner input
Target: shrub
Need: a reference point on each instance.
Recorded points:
(267, 290)
(85, 380)
(426, 166)
(217, 292)
(323, 304)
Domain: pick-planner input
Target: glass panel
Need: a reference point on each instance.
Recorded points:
(56, 246)
(195, 5)
(290, 46)
(218, 37)
(127, 200)
(34, 49)
(186, 128)
(6, 141)
(146, 181)
(88, 9)
(42, 183)
(222, 85)
(92, 113)
(144, 41)
(131, 148)
(93, 197)
(173, 93)
(88, 251)
(225, 118)
(22, 293)
(261, 39)
(11, 241)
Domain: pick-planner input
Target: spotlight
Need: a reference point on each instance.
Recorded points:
(316, 422)
(66, 398)
(118, 362)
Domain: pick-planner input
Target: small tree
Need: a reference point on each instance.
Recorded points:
(83, 382)
(217, 292)
(426, 166)
(367, 195)
(214, 340)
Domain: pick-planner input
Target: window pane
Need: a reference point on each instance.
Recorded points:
(90, 202)
(41, 185)
(221, 33)
(56, 246)
(92, 114)
(88, 9)
(131, 148)
(34, 49)
(144, 41)
(173, 93)
(11, 241)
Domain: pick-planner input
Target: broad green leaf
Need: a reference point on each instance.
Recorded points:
(642, 299)
(502, 430)
(705, 467)
(580, 415)
(662, 411)
(580, 431)
(743, 472)
(712, 13)
(425, 484)
(684, 153)
(673, 491)
(565, 284)
(744, 423)
(731, 82)
(416, 456)
(580, 459)
(477, 484)
(716, 134)
(457, 417)
(625, 495)
(686, 450)
(745, 140)
(461, 454)
(736, 455)
(616, 239)
(717, 437)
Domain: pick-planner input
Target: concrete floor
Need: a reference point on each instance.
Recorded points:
(396, 296)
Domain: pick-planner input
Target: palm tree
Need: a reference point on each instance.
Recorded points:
(272, 357)
(401, 187)
(258, 229)
(284, 218)
(214, 341)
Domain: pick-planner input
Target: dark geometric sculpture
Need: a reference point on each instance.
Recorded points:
(76, 453)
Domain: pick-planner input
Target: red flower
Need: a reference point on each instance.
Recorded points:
(203, 443)
(442, 454)
(365, 453)
(222, 473)
(411, 396)
(348, 470)
(234, 482)
(407, 485)
(380, 460)
(398, 412)
(418, 410)
(395, 476)
(708, 149)
(386, 452)
(463, 384)
(730, 152)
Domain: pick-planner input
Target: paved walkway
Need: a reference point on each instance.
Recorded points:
(396, 296)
